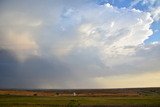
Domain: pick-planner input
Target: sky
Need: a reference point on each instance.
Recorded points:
(79, 44)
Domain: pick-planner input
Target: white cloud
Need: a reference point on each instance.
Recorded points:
(111, 34)
(155, 42)
(156, 13)
(112, 46)
(134, 2)
(150, 3)
(111, 31)
(153, 7)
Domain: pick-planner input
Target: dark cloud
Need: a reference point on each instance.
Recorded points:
(8, 69)
(31, 73)
(44, 72)
(74, 71)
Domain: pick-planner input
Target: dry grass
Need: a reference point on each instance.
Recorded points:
(85, 92)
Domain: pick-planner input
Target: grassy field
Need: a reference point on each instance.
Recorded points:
(149, 98)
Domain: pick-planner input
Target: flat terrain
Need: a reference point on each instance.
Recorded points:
(135, 97)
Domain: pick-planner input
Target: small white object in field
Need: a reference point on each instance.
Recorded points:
(74, 94)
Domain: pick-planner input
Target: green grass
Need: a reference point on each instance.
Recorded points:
(36, 101)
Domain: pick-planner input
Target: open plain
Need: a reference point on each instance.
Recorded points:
(132, 97)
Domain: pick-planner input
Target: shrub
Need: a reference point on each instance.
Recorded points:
(73, 103)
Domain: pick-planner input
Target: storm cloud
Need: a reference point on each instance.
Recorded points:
(74, 44)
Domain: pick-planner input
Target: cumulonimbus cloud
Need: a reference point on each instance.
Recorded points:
(71, 45)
